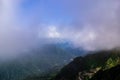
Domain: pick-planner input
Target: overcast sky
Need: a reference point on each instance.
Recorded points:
(90, 24)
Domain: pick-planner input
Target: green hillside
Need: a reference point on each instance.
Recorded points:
(43, 61)
(83, 68)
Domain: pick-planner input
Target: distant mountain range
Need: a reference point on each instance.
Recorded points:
(39, 61)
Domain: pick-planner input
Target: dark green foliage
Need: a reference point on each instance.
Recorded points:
(89, 65)
(36, 62)
(112, 62)
(109, 74)
(46, 67)
(44, 76)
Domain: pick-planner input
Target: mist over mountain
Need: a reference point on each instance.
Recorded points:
(37, 36)
(100, 65)
(38, 61)
(92, 25)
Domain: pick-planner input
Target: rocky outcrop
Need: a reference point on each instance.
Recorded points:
(110, 74)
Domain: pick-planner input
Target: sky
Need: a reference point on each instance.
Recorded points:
(87, 24)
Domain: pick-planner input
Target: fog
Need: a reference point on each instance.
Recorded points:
(94, 26)
(15, 38)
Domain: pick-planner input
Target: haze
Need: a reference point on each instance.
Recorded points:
(90, 24)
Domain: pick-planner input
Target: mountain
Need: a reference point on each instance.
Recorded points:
(38, 61)
(109, 74)
(83, 68)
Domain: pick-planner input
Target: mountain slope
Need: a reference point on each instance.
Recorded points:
(109, 74)
(36, 62)
(83, 68)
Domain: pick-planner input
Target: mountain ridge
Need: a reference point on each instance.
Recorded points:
(83, 68)
(36, 62)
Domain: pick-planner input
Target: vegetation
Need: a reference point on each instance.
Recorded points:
(90, 64)
(37, 62)
(110, 62)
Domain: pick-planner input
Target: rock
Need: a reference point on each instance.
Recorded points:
(110, 74)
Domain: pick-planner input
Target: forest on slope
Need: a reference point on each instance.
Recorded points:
(84, 68)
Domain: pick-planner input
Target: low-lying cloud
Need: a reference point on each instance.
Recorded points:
(14, 37)
(98, 27)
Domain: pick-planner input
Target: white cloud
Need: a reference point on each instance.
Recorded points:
(15, 38)
(101, 25)
(53, 33)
